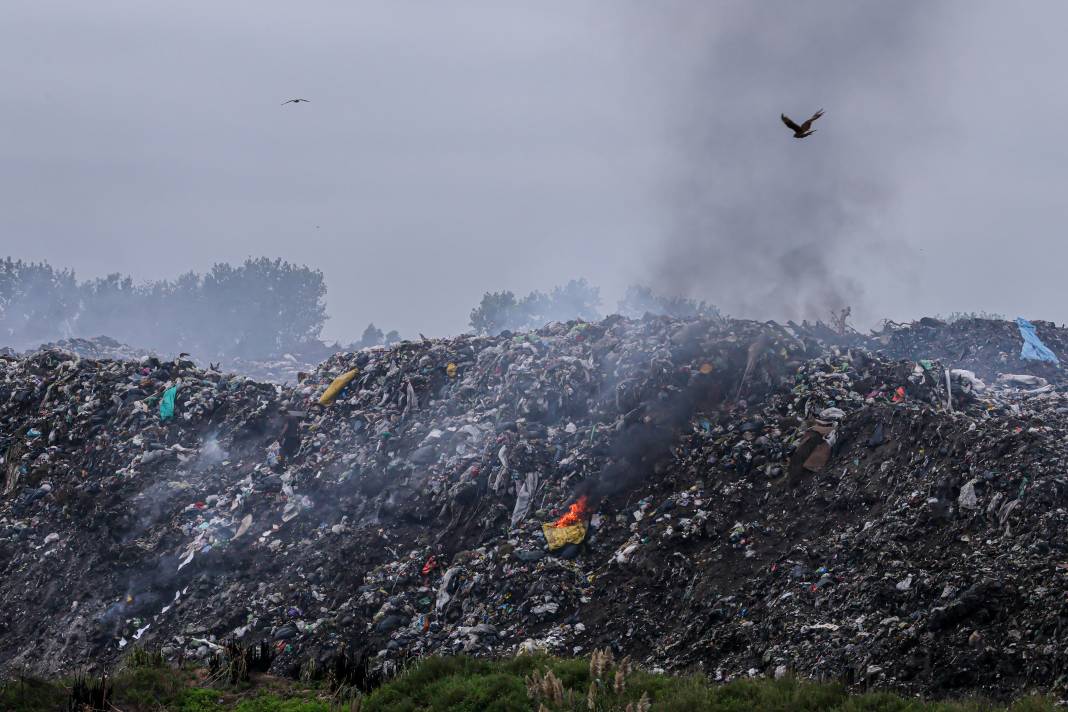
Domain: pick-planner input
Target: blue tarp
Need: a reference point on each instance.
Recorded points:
(166, 405)
(1033, 348)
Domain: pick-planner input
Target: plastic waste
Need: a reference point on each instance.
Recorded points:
(336, 386)
(166, 403)
(1033, 348)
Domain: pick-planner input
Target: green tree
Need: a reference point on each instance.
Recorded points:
(496, 312)
(372, 336)
(37, 303)
(578, 299)
(639, 300)
(263, 307)
(260, 308)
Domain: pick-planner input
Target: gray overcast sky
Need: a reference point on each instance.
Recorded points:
(452, 148)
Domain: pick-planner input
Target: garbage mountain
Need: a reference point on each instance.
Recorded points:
(283, 368)
(736, 497)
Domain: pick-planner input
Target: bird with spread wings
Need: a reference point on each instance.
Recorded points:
(804, 129)
(295, 101)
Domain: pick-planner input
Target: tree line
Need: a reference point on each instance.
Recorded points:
(578, 299)
(259, 308)
(263, 307)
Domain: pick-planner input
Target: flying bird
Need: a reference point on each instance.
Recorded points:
(804, 129)
(295, 101)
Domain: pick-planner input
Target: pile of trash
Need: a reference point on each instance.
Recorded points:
(98, 347)
(730, 496)
(985, 346)
(285, 368)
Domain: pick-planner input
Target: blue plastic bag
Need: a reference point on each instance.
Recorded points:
(166, 405)
(1033, 348)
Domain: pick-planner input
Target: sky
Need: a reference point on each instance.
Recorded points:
(449, 149)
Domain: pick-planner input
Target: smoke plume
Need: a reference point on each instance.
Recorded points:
(763, 224)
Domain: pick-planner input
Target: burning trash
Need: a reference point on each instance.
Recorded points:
(570, 528)
(578, 512)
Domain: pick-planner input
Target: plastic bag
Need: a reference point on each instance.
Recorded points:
(166, 404)
(1033, 349)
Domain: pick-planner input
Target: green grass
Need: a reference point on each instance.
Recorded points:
(459, 684)
(438, 685)
(199, 699)
(272, 703)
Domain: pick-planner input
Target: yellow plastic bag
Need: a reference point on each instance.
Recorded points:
(451, 370)
(335, 387)
(558, 537)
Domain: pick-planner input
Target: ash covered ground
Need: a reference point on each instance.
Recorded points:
(741, 498)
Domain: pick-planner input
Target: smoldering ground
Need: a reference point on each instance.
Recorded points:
(701, 372)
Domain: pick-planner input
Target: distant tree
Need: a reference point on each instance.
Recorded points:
(180, 315)
(578, 299)
(260, 308)
(37, 303)
(372, 336)
(9, 289)
(111, 306)
(496, 312)
(392, 337)
(532, 311)
(639, 300)
(264, 306)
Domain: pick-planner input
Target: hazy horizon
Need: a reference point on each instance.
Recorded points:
(451, 151)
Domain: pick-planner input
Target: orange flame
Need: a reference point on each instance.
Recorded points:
(575, 513)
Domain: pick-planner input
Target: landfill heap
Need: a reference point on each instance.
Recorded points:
(986, 346)
(99, 347)
(284, 368)
(735, 497)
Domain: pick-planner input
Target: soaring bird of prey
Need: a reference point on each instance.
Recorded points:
(295, 101)
(804, 129)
